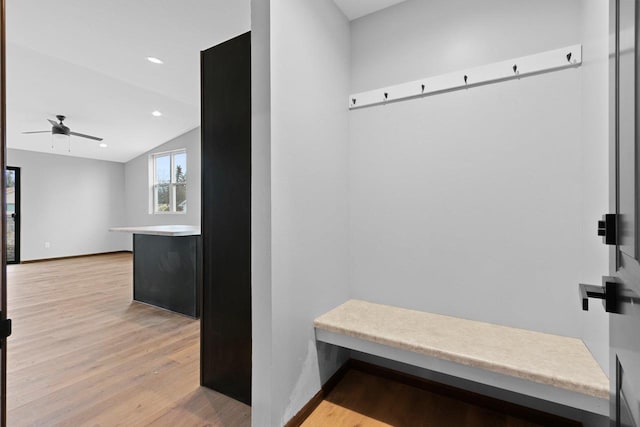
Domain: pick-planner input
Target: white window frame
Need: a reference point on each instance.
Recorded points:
(172, 185)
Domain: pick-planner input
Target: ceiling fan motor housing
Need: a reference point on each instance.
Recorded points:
(60, 130)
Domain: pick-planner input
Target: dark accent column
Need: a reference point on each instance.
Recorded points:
(226, 218)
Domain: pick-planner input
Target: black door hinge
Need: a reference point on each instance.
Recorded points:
(607, 229)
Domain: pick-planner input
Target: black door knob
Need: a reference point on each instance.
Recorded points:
(606, 293)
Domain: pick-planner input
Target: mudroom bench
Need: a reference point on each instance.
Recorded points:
(548, 367)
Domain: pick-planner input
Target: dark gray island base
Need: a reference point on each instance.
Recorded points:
(167, 270)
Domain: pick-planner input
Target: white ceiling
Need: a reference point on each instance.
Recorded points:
(354, 9)
(86, 59)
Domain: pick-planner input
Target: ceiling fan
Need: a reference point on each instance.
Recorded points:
(61, 129)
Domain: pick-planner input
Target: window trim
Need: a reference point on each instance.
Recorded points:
(172, 184)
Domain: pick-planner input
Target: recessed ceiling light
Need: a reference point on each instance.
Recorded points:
(155, 60)
(156, 113)
(103, 145)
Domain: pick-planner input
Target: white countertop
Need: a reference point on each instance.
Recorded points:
(161, 230)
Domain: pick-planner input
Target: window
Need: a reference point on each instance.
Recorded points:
(168, 182)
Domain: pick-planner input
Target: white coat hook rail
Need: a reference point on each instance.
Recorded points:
(552, 60)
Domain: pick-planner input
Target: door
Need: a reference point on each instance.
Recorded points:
(12, 214)
(4, 324)
(625, 265)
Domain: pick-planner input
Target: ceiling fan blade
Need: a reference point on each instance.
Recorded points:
(54, 124)
(37, 131)
(95, 138)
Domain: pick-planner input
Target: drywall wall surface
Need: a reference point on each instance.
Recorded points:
(418, 38)
(469, 203)
(595, 171)
(261, 351)
(69, 202)
(138, 189)
(309, 196)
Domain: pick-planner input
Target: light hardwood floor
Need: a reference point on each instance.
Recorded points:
(82, 353)
(365, 400)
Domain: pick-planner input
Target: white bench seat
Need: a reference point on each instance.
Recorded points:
(545, 366)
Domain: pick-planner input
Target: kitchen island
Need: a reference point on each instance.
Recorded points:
(167, 268)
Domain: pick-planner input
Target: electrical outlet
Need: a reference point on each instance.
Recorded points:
(47, 245)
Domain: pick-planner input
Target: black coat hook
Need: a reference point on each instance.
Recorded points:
(515, 68)
(422, 88)
(465, 79)
(353, 101)
(386, 96)
(569, 57)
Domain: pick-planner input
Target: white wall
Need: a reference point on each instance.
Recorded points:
(418, 38)
(470, 203)
(261, 311)
(475, 203)
(595, 178)
(137, 185)
(69, 202)
(309, 197)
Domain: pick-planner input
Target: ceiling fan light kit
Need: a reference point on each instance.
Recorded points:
(60, 140)
(61, 133)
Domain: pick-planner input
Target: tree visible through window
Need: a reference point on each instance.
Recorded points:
(169, 187)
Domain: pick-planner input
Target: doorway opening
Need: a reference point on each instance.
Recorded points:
(12, 214)
(81, 351)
